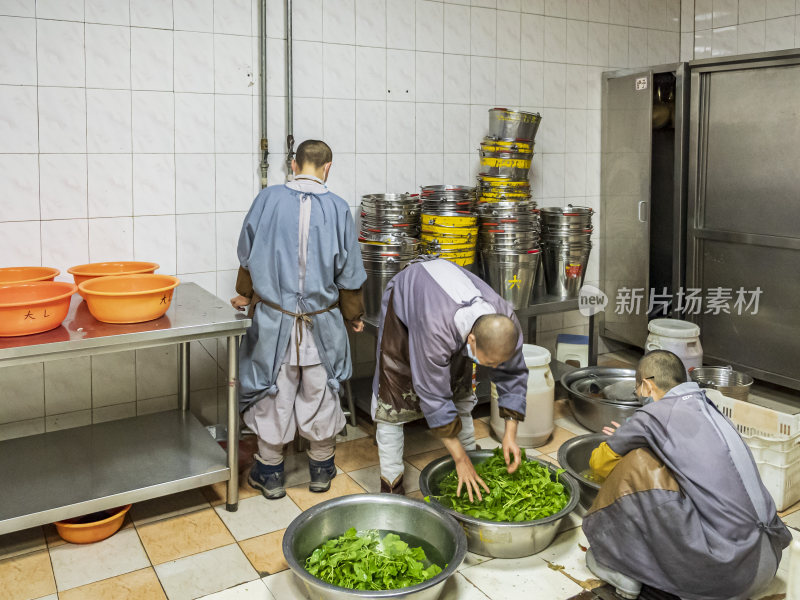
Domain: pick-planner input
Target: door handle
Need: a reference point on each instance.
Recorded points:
(643, 211)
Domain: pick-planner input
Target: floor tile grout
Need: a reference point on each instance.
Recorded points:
(50, 546)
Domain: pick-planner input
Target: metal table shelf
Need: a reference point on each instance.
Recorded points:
(67, 473)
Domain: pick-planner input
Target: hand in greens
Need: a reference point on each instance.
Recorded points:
(525, 495)
(365, 562)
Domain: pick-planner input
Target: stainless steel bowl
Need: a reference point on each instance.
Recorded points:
(592, 410)
(492, 538)
(426, 526)
(574, 456)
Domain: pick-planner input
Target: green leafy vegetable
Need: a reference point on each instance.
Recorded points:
(525, 495)
(366, 562)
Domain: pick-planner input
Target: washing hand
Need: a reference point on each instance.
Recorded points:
(608, 430)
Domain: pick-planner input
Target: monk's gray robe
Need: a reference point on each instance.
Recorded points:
(429, 309)
(711, 536)
(268, 249)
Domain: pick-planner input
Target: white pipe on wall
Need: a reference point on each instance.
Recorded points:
(289, 93)
(262, 33)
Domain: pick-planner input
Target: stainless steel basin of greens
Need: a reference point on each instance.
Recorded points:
(417, 523)
(574, 456)
(493, 538)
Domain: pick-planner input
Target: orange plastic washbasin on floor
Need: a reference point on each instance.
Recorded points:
(128, 298)
(28, 308)
(9, 275)
(83, 530)
(82, 273)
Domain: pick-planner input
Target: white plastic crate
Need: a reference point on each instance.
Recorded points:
(774, 440)
(756, 421)
(783, 483)
(775, 451)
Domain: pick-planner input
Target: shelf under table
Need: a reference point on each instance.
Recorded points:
(72, 472)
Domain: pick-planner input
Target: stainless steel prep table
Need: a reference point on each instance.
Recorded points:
(71, 472)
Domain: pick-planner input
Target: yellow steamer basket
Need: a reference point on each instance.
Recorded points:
(506, 160)
(457, 255)
(447, 241)
(466, 219)
(486, 181)
(517, 146)
(500, 196)
(448, 245)
(461, 262)
(464, 233)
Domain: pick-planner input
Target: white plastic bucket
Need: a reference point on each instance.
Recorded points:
(537, 427)
(679, 337)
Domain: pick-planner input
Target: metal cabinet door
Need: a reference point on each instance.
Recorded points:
(744, 211)
(625, 195)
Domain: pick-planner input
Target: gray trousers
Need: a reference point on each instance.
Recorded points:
(391, 439)
(304, 403)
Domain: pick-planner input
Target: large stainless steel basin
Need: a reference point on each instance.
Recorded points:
(592, 410)
(573, 455)
(414, 521)
(493, 538)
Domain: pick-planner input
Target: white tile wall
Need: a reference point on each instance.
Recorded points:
(128, 130)
(729, 28)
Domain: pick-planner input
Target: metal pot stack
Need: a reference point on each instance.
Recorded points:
(506, 155)
(509, 242)
(449, 223)
(509, 220)
(389, 226)
(385, 217)
(566, 244)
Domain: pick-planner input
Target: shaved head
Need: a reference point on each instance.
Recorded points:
(663, 368)
(496, 337)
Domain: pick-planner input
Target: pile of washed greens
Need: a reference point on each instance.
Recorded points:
(525, 495)
(367, 562)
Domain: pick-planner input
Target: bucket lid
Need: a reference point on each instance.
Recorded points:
(535, 356)
(674, 328)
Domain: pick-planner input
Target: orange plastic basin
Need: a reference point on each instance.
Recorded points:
(83, 272)
(128, 298)
(10, 275)
(27, 308)
(81, 530)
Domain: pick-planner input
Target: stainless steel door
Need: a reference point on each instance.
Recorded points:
(625, 195)
(744, 210)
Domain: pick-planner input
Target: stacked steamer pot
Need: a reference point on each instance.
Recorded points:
(389, 226)
(566, 244)
(449, 223)
(509, 220)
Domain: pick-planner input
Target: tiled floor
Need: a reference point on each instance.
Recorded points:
(188, 546)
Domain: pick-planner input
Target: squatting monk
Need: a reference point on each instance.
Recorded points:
(683, 509)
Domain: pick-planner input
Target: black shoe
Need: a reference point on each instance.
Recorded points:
(321, 474)
(268, 479)
(396, 487)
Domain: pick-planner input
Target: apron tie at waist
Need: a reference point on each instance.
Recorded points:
(300, 319)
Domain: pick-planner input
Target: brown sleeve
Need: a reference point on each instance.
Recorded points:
(244, 284)
(448, 431)
(507, 412)
(351, 304)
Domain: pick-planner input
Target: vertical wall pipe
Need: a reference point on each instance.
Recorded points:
(262, 34)
(289, 93)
